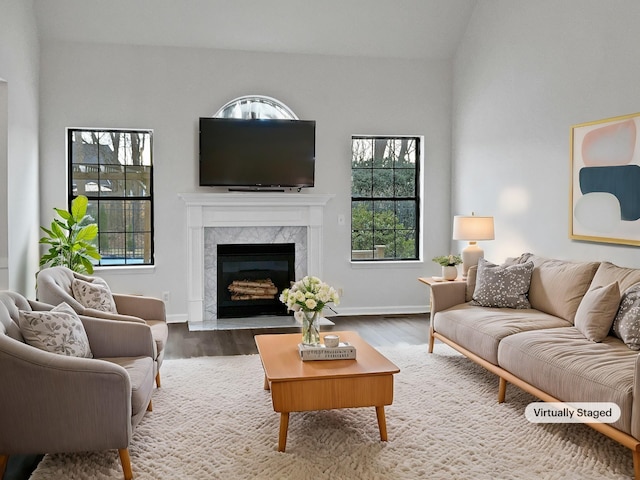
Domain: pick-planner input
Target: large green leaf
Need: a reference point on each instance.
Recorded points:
(79, 207)
(63, 213)
(87, 233)
(58, 231)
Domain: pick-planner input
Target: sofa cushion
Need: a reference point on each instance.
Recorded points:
(472, 276)
(567, 366)
(597, 310)
(608, 272)
(502, 286)
(57, 331)
(557, 286)
(480, 329)
(96, 295)
(626, 324)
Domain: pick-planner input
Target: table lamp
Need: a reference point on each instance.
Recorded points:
(472, 229)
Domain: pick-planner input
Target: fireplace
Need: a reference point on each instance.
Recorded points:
(250, 278)
(240, 217)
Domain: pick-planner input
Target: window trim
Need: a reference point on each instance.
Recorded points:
(150, 198)
(419, 195)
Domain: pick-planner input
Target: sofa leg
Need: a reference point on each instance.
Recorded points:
(158, 379)
(502, 390)
(431, 340)
(4, 459)
(150, 407)
(126, 463)
(636, 464)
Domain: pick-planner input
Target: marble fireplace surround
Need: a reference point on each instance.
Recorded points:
(247, 217)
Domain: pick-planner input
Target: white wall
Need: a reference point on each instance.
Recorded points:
(168, 89)
(524, 73)
(19, 189)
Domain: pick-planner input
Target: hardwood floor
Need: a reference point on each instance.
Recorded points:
(377, 330)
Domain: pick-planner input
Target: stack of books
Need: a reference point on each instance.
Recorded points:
(344, 351)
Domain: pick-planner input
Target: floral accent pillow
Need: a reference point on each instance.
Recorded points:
(502, 286)
(57, 331)
(94, 295)
(626, 324)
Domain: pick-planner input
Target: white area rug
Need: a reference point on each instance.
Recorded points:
(213, 420)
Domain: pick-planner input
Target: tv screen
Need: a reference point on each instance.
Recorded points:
(257, 153)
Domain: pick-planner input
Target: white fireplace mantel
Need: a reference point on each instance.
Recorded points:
(247, 209)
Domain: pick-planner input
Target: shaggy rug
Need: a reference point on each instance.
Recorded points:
(212, 420)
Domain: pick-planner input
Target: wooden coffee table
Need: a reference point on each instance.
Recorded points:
(298, 386)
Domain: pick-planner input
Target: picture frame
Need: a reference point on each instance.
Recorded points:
(605, 181)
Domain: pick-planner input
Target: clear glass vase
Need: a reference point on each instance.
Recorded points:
(310, 328)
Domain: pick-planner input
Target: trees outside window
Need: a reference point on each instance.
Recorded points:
(385, 203)
(114, 170)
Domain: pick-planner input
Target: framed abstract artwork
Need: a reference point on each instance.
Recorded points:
(605, 181)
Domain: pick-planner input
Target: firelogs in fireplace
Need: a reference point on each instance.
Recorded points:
(261, 289)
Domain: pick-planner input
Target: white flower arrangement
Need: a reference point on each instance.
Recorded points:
(309, 295)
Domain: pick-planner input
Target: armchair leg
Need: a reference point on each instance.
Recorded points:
(126, 463)
(4, 459)
(158, 379)
(150, 407)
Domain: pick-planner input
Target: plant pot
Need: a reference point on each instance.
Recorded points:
(449, 272)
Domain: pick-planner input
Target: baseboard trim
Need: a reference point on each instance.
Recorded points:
(339, 311)
(177, 318)
(408, 310)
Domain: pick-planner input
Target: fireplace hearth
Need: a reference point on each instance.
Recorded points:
(250, 278)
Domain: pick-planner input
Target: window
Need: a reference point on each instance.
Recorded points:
(385, 202)
(114, 170)
(256, 106)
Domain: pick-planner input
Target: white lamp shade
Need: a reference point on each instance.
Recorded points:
(472, 228)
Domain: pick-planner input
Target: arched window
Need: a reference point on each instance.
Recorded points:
(256, 106)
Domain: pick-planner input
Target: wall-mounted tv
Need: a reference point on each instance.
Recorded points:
(257, 153)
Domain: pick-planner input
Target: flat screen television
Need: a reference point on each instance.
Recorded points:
(257, 153)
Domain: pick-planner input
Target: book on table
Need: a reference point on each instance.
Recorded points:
(344, 351)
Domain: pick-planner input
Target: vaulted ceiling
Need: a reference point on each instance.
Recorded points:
(373, 28)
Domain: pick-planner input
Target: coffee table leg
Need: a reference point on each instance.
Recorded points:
(284, 426)
(266, 383)
(382, 423)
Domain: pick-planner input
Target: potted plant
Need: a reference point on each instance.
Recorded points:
(448, 263)
(70, 238)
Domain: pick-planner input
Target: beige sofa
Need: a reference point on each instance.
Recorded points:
(543, 349)
(53, 402)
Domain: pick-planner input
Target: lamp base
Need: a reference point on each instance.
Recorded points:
(470, 256)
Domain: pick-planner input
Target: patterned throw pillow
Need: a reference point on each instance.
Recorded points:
(94, 295)
(626, 324)
(57, 331)
(502, 286)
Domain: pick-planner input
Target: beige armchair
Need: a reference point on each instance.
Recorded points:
(55, 285)
(54, 403)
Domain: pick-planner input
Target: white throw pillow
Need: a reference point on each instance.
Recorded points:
(597, 310)
(96, 295)
(59, 330)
